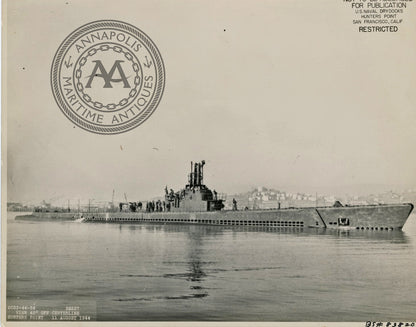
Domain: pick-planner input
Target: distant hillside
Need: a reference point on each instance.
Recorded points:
(266, 198)
(260, 198)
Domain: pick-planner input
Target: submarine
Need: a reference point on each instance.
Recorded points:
(198, 204)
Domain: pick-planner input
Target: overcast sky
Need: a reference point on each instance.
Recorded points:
(286, 94)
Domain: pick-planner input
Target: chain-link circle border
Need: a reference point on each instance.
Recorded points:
(160, 78)
(82, 60)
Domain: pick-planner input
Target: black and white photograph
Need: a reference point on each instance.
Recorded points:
(208, 161)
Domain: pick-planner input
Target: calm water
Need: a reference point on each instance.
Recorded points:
(182, 272)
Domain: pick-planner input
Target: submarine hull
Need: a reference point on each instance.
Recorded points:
(49, 216)
(377, 217)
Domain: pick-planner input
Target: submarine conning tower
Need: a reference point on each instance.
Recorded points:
(196, 196)
(196, 177)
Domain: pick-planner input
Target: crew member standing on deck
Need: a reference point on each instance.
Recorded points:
(234, 204)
